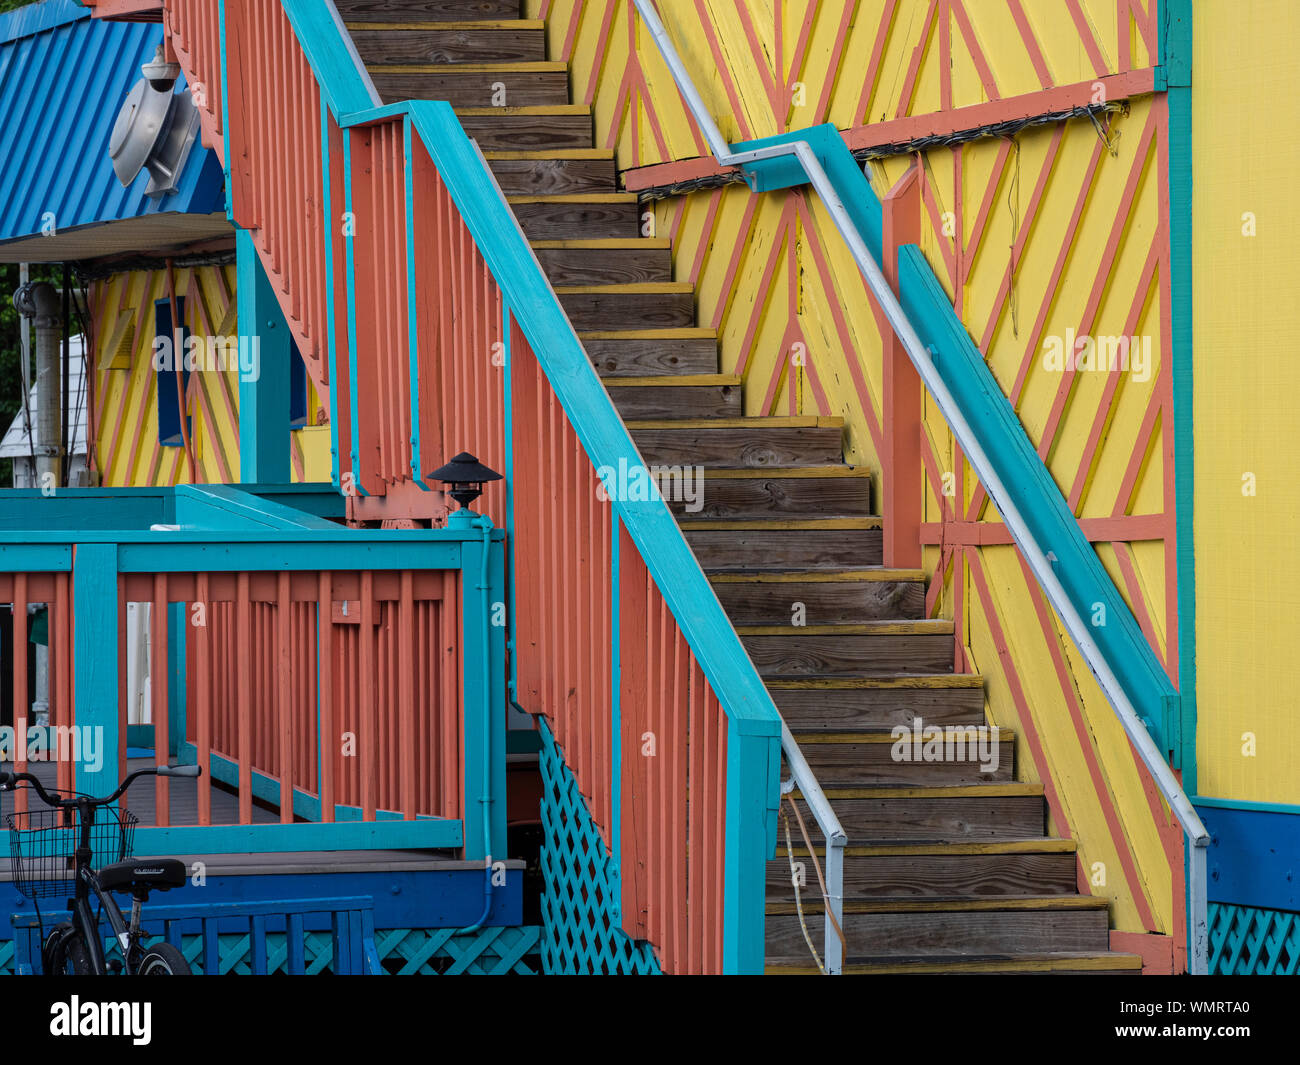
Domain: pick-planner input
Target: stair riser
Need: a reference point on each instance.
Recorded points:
(843, 710)
(596, 311)
(823, 656)
(450, 46)
(863, 765)
(911, 934)
(474, 88)
(678, 401)
(507, 132)
(823, 603)
(755, 497)
(577, 221)
(652, 358)
(426, 10)
(973, 819)
(932, 876)
(606, 266)
(554, 177)
(798, 549)
(747, 448)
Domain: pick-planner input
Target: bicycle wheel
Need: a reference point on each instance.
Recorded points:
(163, 960)
(65, 955)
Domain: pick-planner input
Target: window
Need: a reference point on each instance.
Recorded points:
(298, 414)
(169, 407)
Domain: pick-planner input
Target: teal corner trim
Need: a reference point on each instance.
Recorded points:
(412, 313)
(331, 328)
(1176, 42)
(225, 110)
(94, 604)
(348, 223)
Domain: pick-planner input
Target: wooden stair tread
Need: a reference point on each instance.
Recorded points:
(949, 791)
(932, 627)
(845, 576)
(610, 243)
(535, 110)
(885, 965)
(894, 848)
(797, 421)
(680, 381)
(814, 904)
(878, 680)
(542, 66)
(354, 26)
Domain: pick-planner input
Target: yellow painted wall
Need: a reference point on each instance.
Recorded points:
(773, 277)
(1247, 384)
(126, 401)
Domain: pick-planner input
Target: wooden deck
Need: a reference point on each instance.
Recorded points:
(140, 798)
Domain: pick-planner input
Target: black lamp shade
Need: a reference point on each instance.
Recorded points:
(464, 476)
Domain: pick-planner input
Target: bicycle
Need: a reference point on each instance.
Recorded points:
(42, 867)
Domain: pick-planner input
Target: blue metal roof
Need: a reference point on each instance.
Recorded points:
(63, 78)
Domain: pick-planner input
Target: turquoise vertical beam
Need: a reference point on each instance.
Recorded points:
(483, 689)
(225, 110)
(509, 475)
(177, 617)
(351, 272)
(264, 401)
(94, 604)
(753, 762)
(412, 317)
(1176, 62)
(331, 331)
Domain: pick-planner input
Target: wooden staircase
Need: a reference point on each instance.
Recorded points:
(949, 868)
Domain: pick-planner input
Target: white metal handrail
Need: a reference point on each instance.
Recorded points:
(1033, 552)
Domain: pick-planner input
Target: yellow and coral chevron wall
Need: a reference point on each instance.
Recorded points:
(127, 447)
(1049, 225)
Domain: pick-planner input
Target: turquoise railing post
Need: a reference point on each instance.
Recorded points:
(753, 769)
(263, 396)
(483, 679)
(94, 599)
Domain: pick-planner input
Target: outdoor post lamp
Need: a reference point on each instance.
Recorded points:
(464, 477)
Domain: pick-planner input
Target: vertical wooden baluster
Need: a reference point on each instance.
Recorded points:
(244, 696)
(366, 704)
(405, 635)
(122, 693)
(202, 688)
(284, 690)
(329, 738)
(59, 630)
(158, 696)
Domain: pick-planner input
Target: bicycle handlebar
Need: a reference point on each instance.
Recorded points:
(10, 780)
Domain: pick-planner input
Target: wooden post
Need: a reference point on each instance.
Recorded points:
(901, 500)
(94, 594)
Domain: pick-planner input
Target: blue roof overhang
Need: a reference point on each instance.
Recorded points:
(63, 79)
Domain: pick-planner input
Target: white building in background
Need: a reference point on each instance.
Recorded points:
(18, 441)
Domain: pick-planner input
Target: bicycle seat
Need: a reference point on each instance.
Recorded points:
(152, 874)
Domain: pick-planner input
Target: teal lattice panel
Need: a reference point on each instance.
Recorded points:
(402, 951)
(1246, 941)
(579, 934)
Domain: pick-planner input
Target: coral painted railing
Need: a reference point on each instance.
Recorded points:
(305, 666)
(444, 335)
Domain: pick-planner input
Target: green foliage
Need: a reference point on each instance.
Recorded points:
(10, 5)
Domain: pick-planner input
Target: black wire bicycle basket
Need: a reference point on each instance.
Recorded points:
(43, 845)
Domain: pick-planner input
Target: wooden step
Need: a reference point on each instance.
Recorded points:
(705, 396)
(1059, 963)
(651, 352)
(478, 41)
(528, 128)
(993, 873)
(772, 492)
(590, 216)
(474, 84)
(407, 11)
(840, 704)
(596, 262)
(1002, 926)
(662, 304)
(742, 442)
(878, 647)
(971, 813)
(770, 598)
(864, 759)
(745, 546)
(558, 172)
